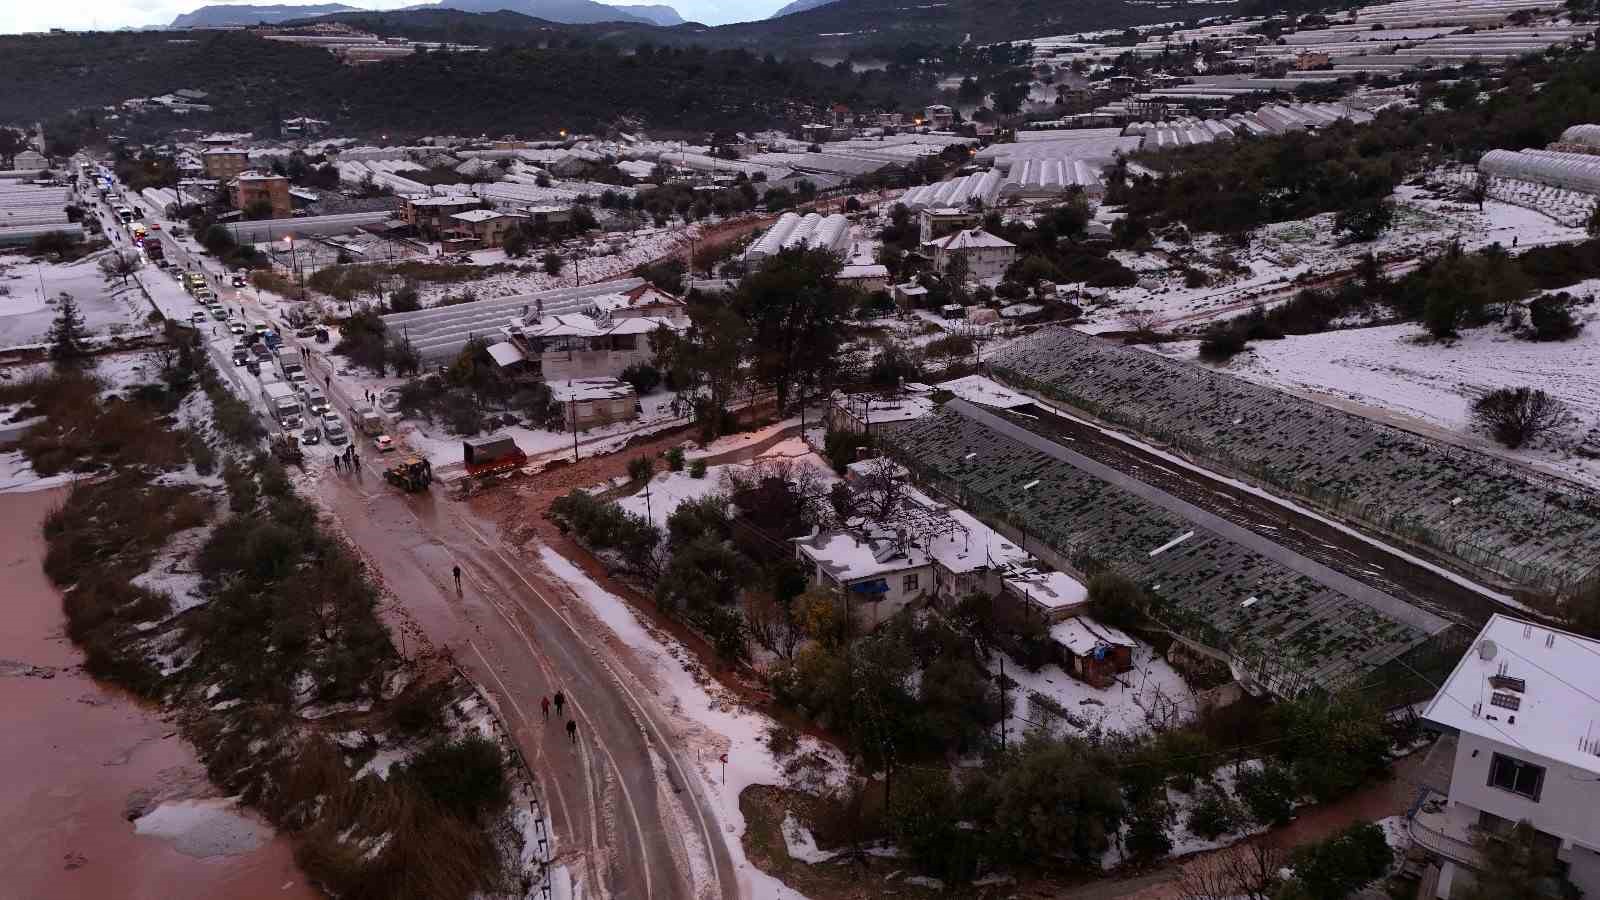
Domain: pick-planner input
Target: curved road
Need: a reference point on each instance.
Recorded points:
(632, 820)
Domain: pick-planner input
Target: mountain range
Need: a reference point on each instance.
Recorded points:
(566, 12)
(799, 6)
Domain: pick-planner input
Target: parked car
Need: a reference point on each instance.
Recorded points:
(218, 312)
(309, 435)
(155, 226)
(313, 397)
(253, 367)
(240, 357)
(236, 327)
(239, 278)
(261, 328)
(333, 429)
(198, 317)
(262, 352)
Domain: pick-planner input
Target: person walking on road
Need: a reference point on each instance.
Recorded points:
(544, 704)
(572, 731)
(561, 702)
(457, 571)
(336, 466)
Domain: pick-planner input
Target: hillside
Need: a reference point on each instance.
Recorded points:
(570, 12)
(799, 6)
(245, 14)
(660, 15)
(861, 27)
(251, 82)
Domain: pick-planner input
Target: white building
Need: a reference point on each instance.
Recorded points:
(30, 161)
(879, 573)
(1524, 704)
(987, 256)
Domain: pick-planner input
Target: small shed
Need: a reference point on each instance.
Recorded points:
(1090, 651)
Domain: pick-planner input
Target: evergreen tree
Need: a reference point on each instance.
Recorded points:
(67, 334)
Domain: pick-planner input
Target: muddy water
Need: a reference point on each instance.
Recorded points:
(75, 756)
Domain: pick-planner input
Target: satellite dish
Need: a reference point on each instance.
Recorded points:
(1487, 649)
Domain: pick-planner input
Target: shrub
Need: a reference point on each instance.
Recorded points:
(405, 300)
(1517, 416)
(1213, 814)
(1222, 343)
(1147, 831)
(675, 459)
(1268, 793)
(465, 777)
(1342, 864)
(640, 468)
(950, 345)
(1550, 317)
(642, 376)
(697, 468)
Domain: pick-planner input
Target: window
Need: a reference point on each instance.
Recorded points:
(910, 583)
(1516, 776)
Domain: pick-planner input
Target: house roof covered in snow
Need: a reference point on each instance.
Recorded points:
(582, 389)
(985, 392)
(969, 239)
(849, 558)
(505, 353)
(1049, 590)
(1081, 635)
(484, 215)
(1527, 686)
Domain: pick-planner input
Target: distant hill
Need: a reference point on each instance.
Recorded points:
(569, 12)
(243, 14)
(883, 28)
(661, 15)
(799, 6)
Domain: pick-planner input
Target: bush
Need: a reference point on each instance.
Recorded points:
(1268, 793)
(950, 345)
(1147, 832)
(1516, 416)
(1214, 814)
(405, 300)
(640, 468)
(1222, 343)
(675, 459)
(644, 377)
(1550, 317)
(697, 468)
(466, 777)
(1342, 864)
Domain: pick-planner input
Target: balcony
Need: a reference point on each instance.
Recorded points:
(1433, 830)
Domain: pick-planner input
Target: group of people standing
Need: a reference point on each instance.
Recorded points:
(348, 461)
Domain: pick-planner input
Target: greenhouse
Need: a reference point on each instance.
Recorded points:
(1507, 524)
(1286, 622)
(1571, 171)
(983, 187)
(812, 231)
(1586, 135)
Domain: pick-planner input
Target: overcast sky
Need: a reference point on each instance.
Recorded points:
(38, 15)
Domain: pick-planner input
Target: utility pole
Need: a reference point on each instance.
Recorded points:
(1003, 710)
(574, 424)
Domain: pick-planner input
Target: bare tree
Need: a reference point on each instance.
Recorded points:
(1141, 322)
(1517, 416)
(1247, 870)
(118, 264)
(772, 625)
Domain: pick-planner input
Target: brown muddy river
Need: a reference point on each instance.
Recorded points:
(76, 756)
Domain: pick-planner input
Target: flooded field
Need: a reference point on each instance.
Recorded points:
(100, 797)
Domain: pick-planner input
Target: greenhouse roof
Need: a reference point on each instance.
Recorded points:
(1285, 617)
(1487, 513)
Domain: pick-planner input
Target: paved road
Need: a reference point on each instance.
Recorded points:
(631, 819)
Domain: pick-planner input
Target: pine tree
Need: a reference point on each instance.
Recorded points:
(66, 336)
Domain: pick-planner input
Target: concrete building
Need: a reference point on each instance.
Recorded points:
(431, 215)
(869, 277)
(570, 346)
(30, 161)
(987, 256)
(224, 162)
(252, 188)
(594, 402)
(485, 227)
(1523, 709)
(938, 116)
(938, 222)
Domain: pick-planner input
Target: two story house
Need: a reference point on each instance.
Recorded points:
(1523, 706)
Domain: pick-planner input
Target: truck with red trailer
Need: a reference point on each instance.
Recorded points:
(495, 454)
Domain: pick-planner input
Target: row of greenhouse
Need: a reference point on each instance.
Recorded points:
(1502, 522)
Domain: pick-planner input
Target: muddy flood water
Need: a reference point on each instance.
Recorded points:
(99, 797)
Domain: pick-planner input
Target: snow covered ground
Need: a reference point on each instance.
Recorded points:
(609, 256)
(29, 289)
(1396, 372)
(1282, 252)
(1149, 695)
(710, 723)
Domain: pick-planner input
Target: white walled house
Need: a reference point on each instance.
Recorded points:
(880, 575)
(987, 256)
(1524, 705)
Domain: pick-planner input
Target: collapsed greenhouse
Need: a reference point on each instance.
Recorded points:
(1495, 520)
(1284, 623)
